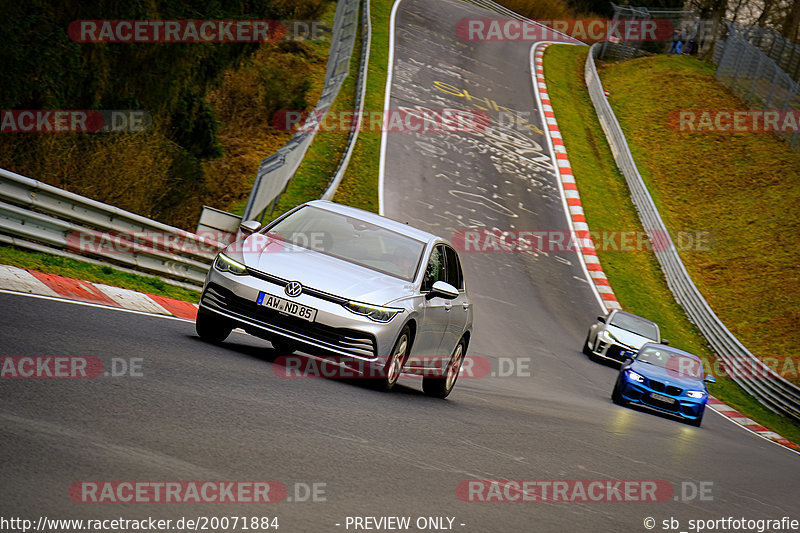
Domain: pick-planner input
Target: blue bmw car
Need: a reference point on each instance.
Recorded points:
(664, 379)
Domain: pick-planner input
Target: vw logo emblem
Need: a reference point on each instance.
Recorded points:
(293, 289)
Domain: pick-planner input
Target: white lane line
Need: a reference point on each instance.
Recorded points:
(387, 97)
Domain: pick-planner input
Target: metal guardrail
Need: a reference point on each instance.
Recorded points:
(489, 5)
(275, 171)
(361, 89)
(771, 389)
(45, 218)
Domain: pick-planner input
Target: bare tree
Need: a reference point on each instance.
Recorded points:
(791, 24)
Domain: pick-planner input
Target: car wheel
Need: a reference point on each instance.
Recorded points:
(283, 346)
(586, 348)
(212, 327)
(394, 365)
(616, 395)
(697, 421)
(440, 386)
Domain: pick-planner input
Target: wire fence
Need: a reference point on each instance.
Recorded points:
(784, 52)
(753, 74)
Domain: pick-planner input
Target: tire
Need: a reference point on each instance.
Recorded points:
(394, 365)
(586, 349)
(441, 386)
(699, 420)
(616, 395)
(283, 346)
(212, 327)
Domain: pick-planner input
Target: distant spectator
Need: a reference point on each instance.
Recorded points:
(675, 40)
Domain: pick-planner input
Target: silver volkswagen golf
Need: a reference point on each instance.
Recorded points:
(332, 280)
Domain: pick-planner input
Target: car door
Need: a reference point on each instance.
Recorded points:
(458, 309)
(435, 315)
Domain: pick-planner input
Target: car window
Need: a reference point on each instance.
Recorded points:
(454, 275)
(635, 324)
(435, 271)
(351, 239)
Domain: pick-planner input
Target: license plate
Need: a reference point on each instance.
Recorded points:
(286, 306)
(662, 398)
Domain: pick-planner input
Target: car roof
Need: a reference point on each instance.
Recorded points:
(378, 220)
(670, 349)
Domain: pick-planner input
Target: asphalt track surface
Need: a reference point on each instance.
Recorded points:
(207, 412)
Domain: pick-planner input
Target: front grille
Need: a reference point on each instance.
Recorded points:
(307, 290)
(667, 406)
(345, 340)
(667, 389)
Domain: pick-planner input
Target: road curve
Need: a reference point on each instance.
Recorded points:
(206, 412)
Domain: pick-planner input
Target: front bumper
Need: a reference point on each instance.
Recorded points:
(335, 330)
(681, 405)
(613, 351)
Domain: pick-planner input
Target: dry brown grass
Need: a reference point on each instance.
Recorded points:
(129, 171)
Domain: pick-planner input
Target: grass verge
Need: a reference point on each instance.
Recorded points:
(359, 187)
(71, 268)
(636, 277)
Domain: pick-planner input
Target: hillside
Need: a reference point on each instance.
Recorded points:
(737, 188)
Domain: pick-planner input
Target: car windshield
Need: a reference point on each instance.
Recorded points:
(635, 324)
(679, 364)
(351, 239)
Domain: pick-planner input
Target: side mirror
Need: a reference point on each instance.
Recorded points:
(248, 227)
(442, 290)
(665, 342)
(710, 379)
(601, 319)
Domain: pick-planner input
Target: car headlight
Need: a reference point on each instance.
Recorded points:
(223, 263)
(373, 312)
(695, 394)
(633, 376)
(608, 337)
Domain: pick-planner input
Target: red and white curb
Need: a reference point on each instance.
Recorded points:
(577, 220)
(34, 282)
(569, 190)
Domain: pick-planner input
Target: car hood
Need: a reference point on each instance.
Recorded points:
(628, 338)
(319, 271)
(671, 376)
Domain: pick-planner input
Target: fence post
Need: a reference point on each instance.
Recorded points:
(755, 77)
(771, 89)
